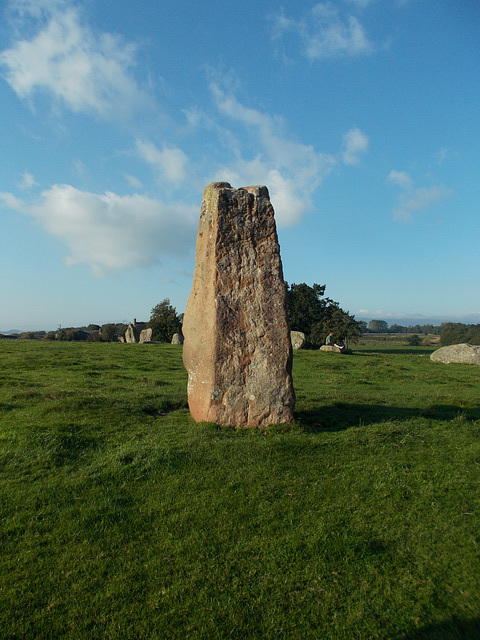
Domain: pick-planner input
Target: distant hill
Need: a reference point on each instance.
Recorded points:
(471, 318)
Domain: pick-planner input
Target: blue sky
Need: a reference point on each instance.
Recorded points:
(360, 116)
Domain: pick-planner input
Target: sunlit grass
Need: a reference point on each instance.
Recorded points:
(122, 518)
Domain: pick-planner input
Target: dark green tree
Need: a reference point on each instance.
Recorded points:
(457, 333)
(109, 332)
(164, 321)
(344, 326)
(397, 328)
(305, 306)
(362, 325)
(27, 335)
(316, 316)
(378, 326)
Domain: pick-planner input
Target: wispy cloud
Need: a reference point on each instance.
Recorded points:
(355, 143)
(326, 33)
(291, 170)
(361, 4)
(111, 233)
(442, 156)
(401, 178)
(133, 181)
(27, 182)
(87, 72)
(415, 198)
(171, 163)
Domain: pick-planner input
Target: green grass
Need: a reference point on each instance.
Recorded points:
(122, 518)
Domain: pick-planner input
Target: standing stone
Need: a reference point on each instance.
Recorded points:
(145, 335)
(177, 338)
(237, 348)
(298, 339)
(131, 335)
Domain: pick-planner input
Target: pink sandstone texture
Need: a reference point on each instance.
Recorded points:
(237, 348)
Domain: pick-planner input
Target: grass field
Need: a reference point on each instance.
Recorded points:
(122, 518)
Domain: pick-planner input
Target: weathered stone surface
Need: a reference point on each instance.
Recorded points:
(298, 339)
(177, 338)
(237, 348)
(145, 335)
(333, 349)
(131, 334)
(459, 353)
(134, 331)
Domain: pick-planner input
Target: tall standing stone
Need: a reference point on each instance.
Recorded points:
(131, 334)
(237, 348)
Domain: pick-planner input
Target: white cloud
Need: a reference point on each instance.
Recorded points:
(170, 162)
(11, 202)
(289, 205)
(35, 8)
(292, 171)
(419, 200)
(87, 72)
(355, 143)
(27, 182)
(415, 198)
(326, 33)
(133, 181)
(401, 178)
(111, 233)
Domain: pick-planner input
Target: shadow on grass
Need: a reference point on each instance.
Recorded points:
(452, 629)
(408, 351)
(341, 416)
(65, 444)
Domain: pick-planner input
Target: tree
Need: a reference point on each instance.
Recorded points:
(164, 321)
(397, 328)
(378, 326)
(344, 326)
(316, 316)
(109, 332)
(304, 306)
(456, 333)
(414, 340)
(362, 325)
(76, 335)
